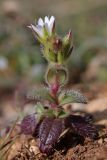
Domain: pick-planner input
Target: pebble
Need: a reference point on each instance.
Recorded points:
(100, 141)
(34, 149)
(105, 140)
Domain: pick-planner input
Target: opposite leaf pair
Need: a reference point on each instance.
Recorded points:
(61, 98)
(51, 130)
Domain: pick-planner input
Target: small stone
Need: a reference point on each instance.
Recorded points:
(34, 149)
(100, 141)
(105, 140)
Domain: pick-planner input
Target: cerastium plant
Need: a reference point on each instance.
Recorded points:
(51, 122)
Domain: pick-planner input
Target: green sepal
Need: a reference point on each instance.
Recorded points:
(49, 54)
(51, 57)
(60, 58)
(69, 51)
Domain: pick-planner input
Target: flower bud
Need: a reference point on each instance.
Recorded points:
(67, 45)
(68, 38)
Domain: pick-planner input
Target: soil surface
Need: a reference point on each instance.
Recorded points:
(25, 148)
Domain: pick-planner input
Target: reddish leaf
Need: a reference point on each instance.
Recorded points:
(85, 130)
(49, 132)
(28, 124)
(80, 126)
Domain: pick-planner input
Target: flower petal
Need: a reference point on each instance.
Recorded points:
(33, 27)
(47, 20)
(52, 26)
(40, 22)
(37, 29)
(40, 30)
(52, 19)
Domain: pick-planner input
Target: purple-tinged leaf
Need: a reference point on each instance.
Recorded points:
(49, 132)
(47, 149)
(77, 119)
(85, 130)
(89, 118)
(28, 124)
(80, 126)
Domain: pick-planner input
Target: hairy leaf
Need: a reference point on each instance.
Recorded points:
(28, 124)
(40, 94)
(80, 126)
(71, 96)
(49, 132)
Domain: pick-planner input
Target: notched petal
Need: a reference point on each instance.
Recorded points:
(40, 22)
(52, 19)
(46, 20)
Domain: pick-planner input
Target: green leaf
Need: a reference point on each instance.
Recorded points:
(63, 114)
(71, 96)
(42, 112)
(50, 113)
(39, 108)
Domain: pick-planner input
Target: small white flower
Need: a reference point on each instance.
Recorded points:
(47, 24)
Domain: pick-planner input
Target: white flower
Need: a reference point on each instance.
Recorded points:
(47, 24)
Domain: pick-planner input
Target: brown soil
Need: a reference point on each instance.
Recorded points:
(25, 148)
